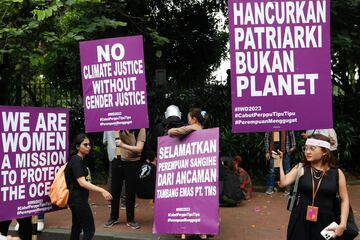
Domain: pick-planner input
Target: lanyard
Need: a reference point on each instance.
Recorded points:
(314, 192)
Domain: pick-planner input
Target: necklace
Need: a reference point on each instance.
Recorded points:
(316, 172)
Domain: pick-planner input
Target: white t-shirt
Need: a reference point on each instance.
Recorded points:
(109, 140)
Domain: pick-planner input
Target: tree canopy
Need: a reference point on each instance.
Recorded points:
(39, 40)
(39, 46)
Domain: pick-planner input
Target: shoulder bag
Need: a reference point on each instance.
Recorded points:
(352, 229)
(293, 195)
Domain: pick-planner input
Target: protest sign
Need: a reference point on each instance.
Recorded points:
(187, 194)
(34, 144)
(114, 87)
(280, 65)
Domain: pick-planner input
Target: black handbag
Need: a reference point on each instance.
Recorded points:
(352, 229)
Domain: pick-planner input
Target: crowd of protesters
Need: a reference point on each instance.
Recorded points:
(130, 167)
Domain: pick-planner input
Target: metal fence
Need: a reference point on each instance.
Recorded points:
(41, 93)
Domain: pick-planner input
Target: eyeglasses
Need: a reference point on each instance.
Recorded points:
(87, 145)
(310, 148)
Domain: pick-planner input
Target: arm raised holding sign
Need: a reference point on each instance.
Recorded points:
(197, 120)
(319, 183)
(285, 179)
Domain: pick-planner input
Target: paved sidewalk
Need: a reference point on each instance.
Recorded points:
(263, 217)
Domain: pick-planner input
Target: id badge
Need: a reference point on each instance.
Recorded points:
(312, 213)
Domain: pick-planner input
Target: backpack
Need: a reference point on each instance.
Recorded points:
(59, 193)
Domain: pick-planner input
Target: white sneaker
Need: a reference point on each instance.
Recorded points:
(40, 226)
(16, 228)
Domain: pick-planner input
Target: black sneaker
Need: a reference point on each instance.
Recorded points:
(133, 225)
(110, 223)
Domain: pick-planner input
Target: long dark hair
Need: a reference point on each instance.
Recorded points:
(201, 116)
(328, 158)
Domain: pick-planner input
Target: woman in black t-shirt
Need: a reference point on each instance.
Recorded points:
(78, 178)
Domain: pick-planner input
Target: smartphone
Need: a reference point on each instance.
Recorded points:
(329, 234)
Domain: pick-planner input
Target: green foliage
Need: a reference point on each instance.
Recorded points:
(41, 15)
(345, 46)
(347, 128)
(158, 40)
(345, 35)
(98, 162)
(41, 38)
(196, 44)
(39, 43)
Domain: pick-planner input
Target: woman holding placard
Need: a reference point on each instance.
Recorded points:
(197, 120)
(319, 182)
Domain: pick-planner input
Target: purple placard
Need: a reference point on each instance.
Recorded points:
(280, 65)
(187, 198)
(34, 144)
(114, 87)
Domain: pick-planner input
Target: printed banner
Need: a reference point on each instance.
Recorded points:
(187, 197)
(34, 144)
(114, 87)
(280, 65)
